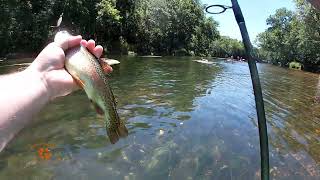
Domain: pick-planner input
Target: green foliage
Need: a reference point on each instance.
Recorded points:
(107, 12)
(108, 24)
(309, 34)
(23, 24)
(204, 37)
(278, 39)
(167, 27)
(292, 36)
(164, 27)
(226, 47)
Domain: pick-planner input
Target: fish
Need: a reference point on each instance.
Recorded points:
(89, 73)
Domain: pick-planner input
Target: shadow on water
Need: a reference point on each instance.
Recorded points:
(186, 120)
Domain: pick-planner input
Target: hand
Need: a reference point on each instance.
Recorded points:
(49, 66)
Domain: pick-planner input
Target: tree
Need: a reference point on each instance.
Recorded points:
(226, 46)
(108, 23)
(22, 22)
(166, 27)
(309, 34)
(277, 39)
(292, 36)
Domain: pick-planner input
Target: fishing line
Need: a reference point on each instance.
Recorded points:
(262, 125)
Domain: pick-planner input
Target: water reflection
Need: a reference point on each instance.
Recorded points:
(186, 121)
(295, 120)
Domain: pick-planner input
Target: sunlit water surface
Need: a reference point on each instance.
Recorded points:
(186, 120)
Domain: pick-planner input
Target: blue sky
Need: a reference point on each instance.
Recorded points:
(255, 13)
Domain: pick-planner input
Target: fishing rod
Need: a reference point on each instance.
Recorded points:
(263, 135)
(262, 125)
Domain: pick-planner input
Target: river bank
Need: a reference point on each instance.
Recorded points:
(22, 55)
(14, 56)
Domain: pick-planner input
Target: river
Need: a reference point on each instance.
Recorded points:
(186, 120)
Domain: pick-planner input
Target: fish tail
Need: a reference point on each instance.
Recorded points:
(118, 127)
(122, 130)
(114, 134)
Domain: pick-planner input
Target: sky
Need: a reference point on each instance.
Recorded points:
(255, 13)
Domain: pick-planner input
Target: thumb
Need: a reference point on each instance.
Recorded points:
(64, 40)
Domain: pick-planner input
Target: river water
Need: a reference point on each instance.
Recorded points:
(186, 120)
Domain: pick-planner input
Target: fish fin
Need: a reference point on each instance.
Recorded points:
(109, 61)
(117, 129)
(114, 134)
(105, 66)
(97, 108)
(78, 81)
(122, 130)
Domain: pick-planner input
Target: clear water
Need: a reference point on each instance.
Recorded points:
(186, 120)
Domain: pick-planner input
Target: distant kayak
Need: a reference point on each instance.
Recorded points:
(204, 61)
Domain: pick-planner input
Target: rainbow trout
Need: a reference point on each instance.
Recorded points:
(88, 72)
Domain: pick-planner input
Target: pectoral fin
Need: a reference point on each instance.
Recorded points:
(78, 81)
(107, 63)
(97, 108)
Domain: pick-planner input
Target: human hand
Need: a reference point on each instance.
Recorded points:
(49, 66)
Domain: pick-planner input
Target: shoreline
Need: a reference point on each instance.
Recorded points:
(27, 56)
(24, 55)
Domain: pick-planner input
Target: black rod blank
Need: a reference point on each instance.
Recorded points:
(263, 132)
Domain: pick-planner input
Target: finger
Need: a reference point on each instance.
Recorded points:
(84, 43)
(66, 41)
(61, 83)
(91, 45)
(74, 41)
(97, 51)
(68, 84)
